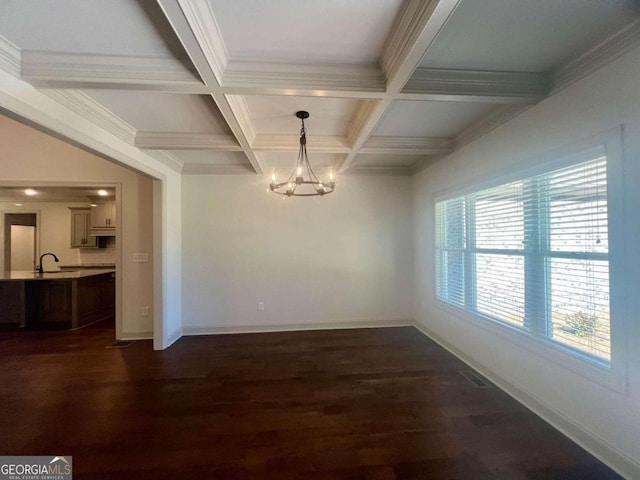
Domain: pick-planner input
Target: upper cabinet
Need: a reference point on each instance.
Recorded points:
(104, 216)
(80, 226)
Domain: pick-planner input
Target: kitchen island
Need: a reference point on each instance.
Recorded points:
(56, 299)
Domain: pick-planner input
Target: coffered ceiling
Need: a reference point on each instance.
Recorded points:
(212, 86)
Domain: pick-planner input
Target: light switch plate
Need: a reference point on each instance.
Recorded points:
(140, 257)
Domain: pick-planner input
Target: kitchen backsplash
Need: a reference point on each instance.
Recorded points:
(103, 255)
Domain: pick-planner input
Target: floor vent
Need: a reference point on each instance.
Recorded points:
(121, 344)
(474, 377)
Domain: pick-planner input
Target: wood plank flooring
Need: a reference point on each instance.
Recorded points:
(377, 404)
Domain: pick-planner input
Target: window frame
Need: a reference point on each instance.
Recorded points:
(612, 374)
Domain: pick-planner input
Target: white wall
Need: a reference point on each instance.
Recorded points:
(344, 259)
(29, 156)
(603, 419)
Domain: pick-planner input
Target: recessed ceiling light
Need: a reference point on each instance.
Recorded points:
(93, 204)
(103, 193)
(18, 204)
(30, 192)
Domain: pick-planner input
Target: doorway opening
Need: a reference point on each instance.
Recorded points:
(20, 241)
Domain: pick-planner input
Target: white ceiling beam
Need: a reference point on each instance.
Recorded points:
(186, 141)
(434, 84)
(205, 28)
(256, 78)
(78, 71)
(291, 143)
(415, 29)
(216, 169)
(10, 57)
(208, 60)
(407, 145)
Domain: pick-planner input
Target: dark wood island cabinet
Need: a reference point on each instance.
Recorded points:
(56, 300)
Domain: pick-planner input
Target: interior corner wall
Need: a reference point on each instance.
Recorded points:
(28, 155)
(341, 260)
(603, 101)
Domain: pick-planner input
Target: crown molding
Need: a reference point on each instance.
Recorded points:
(217, 169)
(240, 109)
(291, 143)
(597, 57)
(10, 57)
(282, 78)
(416, 26)
(407, 145)
(167, 158)
(93, 112)
(75, 70)
(380, 170)
(476, 85)
(207, 33)
(185, 141)
(487, 123)
(364, 112)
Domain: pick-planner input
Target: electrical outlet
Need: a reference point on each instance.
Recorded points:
(261, 306)
(145, 311)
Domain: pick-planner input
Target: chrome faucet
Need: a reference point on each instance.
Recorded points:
(39, 268)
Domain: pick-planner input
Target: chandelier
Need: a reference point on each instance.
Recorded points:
(303, 182)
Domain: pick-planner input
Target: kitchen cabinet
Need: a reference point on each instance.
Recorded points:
(80, 229)
(61, 300)
(103, 216)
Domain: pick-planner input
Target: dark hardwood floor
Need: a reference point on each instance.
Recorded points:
(339, 404)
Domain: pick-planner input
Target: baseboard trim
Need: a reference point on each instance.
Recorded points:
(174, 337)
(292, 327)
(598, 447)
(136, 336)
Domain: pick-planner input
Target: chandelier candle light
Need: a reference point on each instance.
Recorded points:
(302, 177)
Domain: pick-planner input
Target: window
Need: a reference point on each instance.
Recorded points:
(533, 254)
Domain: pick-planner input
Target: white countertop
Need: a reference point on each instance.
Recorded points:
(52, 275)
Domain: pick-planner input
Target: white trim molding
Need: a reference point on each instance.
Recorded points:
(407, 145)
(186, 141)
(496, 117)
(599, 56)
(280, 78)
(433, 84)
(205, 28)
(291, 143)
(293, 327)
(93, 112)
(217, 169)
(240, 108)
(80, 70)
(10, 57)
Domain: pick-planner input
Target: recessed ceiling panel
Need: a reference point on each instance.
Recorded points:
(276, 115)
(327, 31)
(525, 35)
(163, 112)
(393, 160)
(287, 160)
(114, 27)
(210, 157)
(429, 119)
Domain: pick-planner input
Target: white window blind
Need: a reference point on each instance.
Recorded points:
(533, 254)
